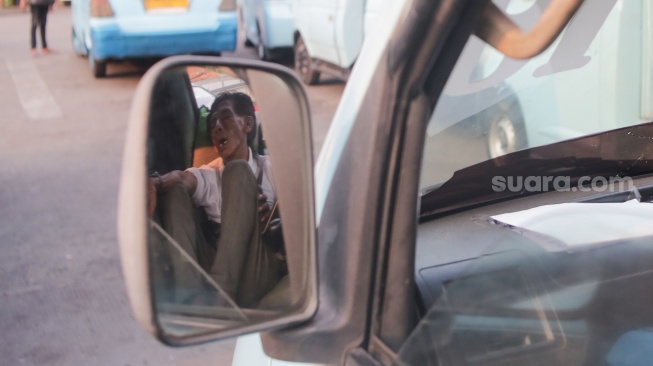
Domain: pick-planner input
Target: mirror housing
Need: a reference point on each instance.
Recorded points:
(283, 105)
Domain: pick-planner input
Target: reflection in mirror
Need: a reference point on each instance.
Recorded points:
(217, 256)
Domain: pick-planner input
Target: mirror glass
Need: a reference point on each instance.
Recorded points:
(216, 249)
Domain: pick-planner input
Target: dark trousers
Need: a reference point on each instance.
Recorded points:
(39, 18)
(238, 262)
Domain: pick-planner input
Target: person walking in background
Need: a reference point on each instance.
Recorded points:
(39, 10)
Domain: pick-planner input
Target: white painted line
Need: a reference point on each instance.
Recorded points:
(32, 91)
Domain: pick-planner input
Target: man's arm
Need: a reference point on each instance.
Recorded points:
(164, 182)
(187, 179)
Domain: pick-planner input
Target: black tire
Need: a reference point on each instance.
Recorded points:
(506, 132)
(304, 64)
(99, 68)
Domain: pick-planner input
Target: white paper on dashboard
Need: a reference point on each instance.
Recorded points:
(576, 224)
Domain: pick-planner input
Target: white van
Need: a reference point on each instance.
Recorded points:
(329, 35)
(403, 243)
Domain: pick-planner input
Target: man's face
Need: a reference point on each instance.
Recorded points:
(229, 134)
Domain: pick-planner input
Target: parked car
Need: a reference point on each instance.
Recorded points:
(403, 248)
(267, 25)
(329, 35)
(115, 30)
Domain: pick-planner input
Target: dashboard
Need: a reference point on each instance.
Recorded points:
(493, 294)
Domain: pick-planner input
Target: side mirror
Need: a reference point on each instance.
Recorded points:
(206, 138)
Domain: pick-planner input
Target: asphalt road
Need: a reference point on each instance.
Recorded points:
(62, 297)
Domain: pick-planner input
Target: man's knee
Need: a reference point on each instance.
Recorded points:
(237, 175)
(238, 170)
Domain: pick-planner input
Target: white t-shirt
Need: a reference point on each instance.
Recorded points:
(208, 193)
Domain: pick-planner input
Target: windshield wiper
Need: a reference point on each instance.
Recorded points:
(623, 152)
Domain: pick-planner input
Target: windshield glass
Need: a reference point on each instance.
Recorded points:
(596, 77)
(547, 279)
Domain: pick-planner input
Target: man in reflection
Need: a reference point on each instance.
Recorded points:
(236, 193)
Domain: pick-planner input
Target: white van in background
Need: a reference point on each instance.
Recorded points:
(329, 35)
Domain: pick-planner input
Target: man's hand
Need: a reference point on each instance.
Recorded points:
(263, 208)
(152, 183)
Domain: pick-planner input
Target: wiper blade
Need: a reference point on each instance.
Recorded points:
(623, 152)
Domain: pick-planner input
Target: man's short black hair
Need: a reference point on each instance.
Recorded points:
(243, 106)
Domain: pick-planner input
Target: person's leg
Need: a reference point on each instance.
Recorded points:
(180, 219)
(243, 266)
(35, 20)
(43, 18)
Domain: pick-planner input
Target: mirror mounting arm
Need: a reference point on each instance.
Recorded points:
(499, 31)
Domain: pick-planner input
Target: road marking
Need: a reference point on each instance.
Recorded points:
(32, 91)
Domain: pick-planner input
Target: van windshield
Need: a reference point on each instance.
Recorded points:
(595, 77)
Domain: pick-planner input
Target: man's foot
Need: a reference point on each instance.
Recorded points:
(34, 52)
(45, 51)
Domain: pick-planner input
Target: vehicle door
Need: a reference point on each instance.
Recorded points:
(321, 20)
(349, 30)
(349, 220)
